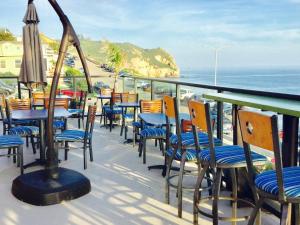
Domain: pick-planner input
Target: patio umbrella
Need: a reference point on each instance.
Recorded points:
(32, 69)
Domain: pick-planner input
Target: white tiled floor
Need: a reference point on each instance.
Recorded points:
(123, 190)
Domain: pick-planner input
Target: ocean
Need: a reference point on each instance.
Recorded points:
(285, 80)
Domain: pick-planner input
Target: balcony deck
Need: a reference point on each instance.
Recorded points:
(123, 190)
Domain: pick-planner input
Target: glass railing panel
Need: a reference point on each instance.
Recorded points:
(163, 88)
(9, 87)
(128, 84)
(143, 89)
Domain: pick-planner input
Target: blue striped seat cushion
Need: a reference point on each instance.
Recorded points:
(153, 132)
(114, 110)
(191, 154)
(267, 181)
(230, 154)
(187, 139)
(24, 131)
(7, 141)
(58, 124)
(138, 124)
(71, 135)
(75, 111)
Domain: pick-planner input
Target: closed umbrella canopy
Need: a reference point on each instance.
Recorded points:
(33, 68)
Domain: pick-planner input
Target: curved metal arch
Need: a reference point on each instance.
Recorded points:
(69, 37)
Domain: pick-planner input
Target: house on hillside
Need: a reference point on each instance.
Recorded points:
(11, 53)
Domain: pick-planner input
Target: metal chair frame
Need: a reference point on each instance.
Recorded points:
(253, 126)
(88, 137)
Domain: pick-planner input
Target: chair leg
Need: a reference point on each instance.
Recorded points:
(126, 131)
(161, 147)
(144, 151)
(197, 192)
(8, 152)
(255, 211)
(284, 219)
(234, 194)
(27, 142)
(66, 150)
(110, 122)
(167, 186)
(33, 144)
(78, 122)
(122, 128)
(179, 187)
(91, 150)
(14, 156)
(20, 158)
(84, 156)
(216, 193)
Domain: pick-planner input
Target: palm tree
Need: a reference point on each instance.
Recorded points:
(116, 60)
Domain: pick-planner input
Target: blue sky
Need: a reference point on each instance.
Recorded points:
(253, 33)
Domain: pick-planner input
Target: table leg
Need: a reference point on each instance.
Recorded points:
(42, 160)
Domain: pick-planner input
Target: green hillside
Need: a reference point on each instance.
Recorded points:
(138, 61)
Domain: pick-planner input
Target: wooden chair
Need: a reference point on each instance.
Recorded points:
(59, 103)
(280, 184)
(58, 123)
(22, 128)
(217, 159)
(148, 131)
(80, 109)
(13, 142)
(82, 136)
(3, 114)
(146, 106)
(113, 111)
(127, 115)
(38, 99)
(104, 92)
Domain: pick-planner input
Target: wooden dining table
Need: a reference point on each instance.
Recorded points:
(41, 116)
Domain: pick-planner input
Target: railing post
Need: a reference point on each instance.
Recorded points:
(74, 86)
(152, 90)
(178, 95)
(220, 119)
(135, 85)
(123, 84)
(19, 89)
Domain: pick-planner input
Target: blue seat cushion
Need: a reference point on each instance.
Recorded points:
(24, 131)
(138, 124)
(75, 111)
(71, 135)
(191, 154)
(230, 154)
(267, 181)
(187, 139)
(128, 116)
(153, 133)
(24, 122)
(7, 141)
(58, 124)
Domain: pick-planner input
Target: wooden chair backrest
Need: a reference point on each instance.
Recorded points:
(59, 103)
(19, 104)
(106, 91)
(256, 129)
(198, 115)
(116, 98)
(126, 97)
(92, 109)
(151, 106)
(169, 106)
(39, 97)
(186, 125)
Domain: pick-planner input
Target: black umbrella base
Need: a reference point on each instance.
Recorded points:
(36, 189)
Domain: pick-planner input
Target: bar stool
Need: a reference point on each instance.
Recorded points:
(181, 147)
(281, 184)
(218, 159)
